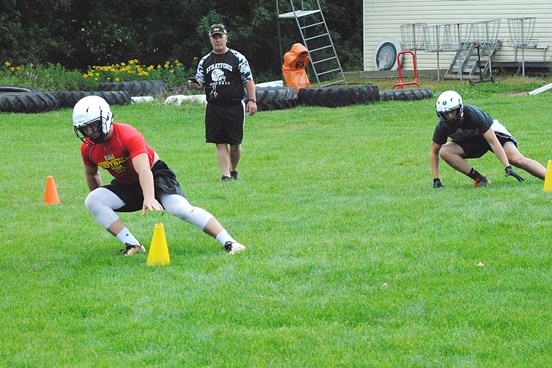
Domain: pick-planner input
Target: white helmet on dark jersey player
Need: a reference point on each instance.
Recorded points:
(450, 101)
(92, 110)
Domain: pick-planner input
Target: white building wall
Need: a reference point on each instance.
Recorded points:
(383, 19)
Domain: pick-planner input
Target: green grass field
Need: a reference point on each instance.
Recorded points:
(332, 204)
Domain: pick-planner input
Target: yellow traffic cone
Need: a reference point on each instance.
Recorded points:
(548, 178)
(159, 252)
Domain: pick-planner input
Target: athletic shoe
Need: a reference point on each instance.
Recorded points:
(233, 248)
(483, 182)
(132, 249)
(225, 178)
(234, 174)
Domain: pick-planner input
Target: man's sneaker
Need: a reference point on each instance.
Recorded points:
(225, 178)
(132, 249)
(234, 174)
(233, 248)
(483, 182)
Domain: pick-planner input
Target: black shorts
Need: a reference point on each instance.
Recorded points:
(477, 146)
(164, 181)
(224, 124)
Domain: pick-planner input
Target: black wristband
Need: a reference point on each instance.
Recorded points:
(251, 99)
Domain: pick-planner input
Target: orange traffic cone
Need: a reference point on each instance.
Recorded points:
(159, 251)
(51, 196)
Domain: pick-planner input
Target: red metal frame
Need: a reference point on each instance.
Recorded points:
(399, 67)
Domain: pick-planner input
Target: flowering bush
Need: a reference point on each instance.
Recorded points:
(174, 74)
(55, 77)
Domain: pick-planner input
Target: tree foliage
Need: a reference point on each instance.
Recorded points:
(78, 34)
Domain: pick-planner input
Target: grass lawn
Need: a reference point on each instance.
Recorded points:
(353, 259)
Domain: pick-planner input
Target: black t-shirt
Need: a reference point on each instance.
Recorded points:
(224, 77)
(476, 122)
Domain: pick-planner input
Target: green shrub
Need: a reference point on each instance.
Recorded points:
(52, 77)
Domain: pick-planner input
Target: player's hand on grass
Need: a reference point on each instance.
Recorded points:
(437, 183)
(151, 204)
(510, 172)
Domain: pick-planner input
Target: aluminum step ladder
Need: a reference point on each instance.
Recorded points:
(316, 38)
(466, 62)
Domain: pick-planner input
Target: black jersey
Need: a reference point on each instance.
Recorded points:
(475, 123)
(224, 77)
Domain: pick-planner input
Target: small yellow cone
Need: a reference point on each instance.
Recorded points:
(159, 251)
(548, 178)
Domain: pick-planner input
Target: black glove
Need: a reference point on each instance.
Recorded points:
(437, 183)
(510, 172)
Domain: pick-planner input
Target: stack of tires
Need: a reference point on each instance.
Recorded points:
(338, 97)
(30, 100)
(68, 99)
(406, 94)
(155, 88)
(277, 98)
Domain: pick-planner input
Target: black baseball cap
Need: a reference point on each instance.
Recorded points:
(217, 29)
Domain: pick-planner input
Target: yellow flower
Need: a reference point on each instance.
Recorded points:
(7, 64)
(117, 79)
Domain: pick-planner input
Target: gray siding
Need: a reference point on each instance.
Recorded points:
(382, 19)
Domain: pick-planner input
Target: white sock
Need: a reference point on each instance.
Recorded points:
(126, 237)
(224, 237)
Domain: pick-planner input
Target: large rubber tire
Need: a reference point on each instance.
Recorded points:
(276, 98)
(70, 98)
(338, 97)
(412, 94)
(28, 102)
(6, 89)
(153, 88)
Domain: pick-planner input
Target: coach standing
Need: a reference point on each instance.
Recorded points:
(223, 73)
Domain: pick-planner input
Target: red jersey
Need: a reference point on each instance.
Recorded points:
(116, 154)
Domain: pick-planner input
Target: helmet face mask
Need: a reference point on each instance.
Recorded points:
(92, 130)
(447, 103)
(92, 110)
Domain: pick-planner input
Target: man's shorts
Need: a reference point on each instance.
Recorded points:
(224, 124)
(164, 181)
(477, 146)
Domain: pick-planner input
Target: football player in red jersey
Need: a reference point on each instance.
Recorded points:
(141, 180)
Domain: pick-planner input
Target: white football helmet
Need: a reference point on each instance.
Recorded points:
(90, 110)
(450, 101)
